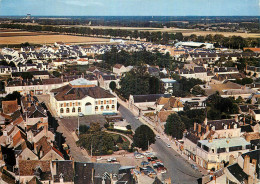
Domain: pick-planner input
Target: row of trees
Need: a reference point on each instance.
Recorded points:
(139, 58)
(139, 82)
(235, 42)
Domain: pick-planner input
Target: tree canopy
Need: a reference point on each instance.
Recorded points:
(143, 136)
(174, 126)
(139, 82)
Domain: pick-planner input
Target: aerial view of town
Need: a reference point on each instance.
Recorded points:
(129, 92)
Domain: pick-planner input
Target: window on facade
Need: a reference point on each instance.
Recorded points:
(73, 109)
(73, 104)
(235, 148)
(61, 110)
(206, 148)
(79, 104)
(113, 107)
(96, 108)
(101, 102)
(79, 109)
(221, 150)
(67, 110)
(113, 101)
(96, 102)
(61, 105)
(102, 108)
(107, 107)
(67, 104)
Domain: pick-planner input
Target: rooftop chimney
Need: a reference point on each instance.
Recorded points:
(246, 164)
(199, 128)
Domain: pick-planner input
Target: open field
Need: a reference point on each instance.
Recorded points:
(185, 32)
(21, 33)
(44, 39)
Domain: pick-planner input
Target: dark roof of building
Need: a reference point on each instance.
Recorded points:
(109, 77)
(65, 169)
(237, 172)
(118, 66)
(219, 124)
(69, 92)
(19, 74)
(31, 168)
(83, 172)
(246, 128)
(255, 142)
(149, 98)
(192, 137)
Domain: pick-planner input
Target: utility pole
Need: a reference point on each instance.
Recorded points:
(78, 124)
(91, 149)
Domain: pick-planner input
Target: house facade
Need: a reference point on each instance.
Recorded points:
(81, 96)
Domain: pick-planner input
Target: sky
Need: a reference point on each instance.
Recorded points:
(130, 7)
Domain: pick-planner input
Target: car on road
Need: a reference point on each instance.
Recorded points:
(158, 137)
(139, 156)
(194, 167)
(61, 117)
(81, 114)
(137, 117)
(168, 145)
(100, 158)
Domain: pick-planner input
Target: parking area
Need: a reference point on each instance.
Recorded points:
(71, 123)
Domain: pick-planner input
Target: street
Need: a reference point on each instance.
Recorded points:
(178, 168)
(127, 114)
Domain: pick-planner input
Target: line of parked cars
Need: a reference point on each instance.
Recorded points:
(152, 164)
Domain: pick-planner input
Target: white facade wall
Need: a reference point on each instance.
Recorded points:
(74, 107)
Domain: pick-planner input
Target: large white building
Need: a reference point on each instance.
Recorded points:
(195, 44)
(82, 96)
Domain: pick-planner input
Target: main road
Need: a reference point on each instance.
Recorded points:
(178, 168)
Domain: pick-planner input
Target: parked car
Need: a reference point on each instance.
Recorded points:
(168, 145)
(61, 117)
(143, 163)
(137, 117)
(158, 137)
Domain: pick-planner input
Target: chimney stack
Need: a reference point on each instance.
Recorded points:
(206, 121)
(246, 164)
(207, 128)
(236, 118)
(195, 126)
(199, 128)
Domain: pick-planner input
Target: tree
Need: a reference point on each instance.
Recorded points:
(83, 129)
(27, 75)
(128, 127)
(174, 126)
(197, 90)
(143, 137)
(13, 96)
(56, 74)
(112, 85)
(99, 142)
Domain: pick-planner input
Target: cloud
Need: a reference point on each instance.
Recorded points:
(83, 3)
